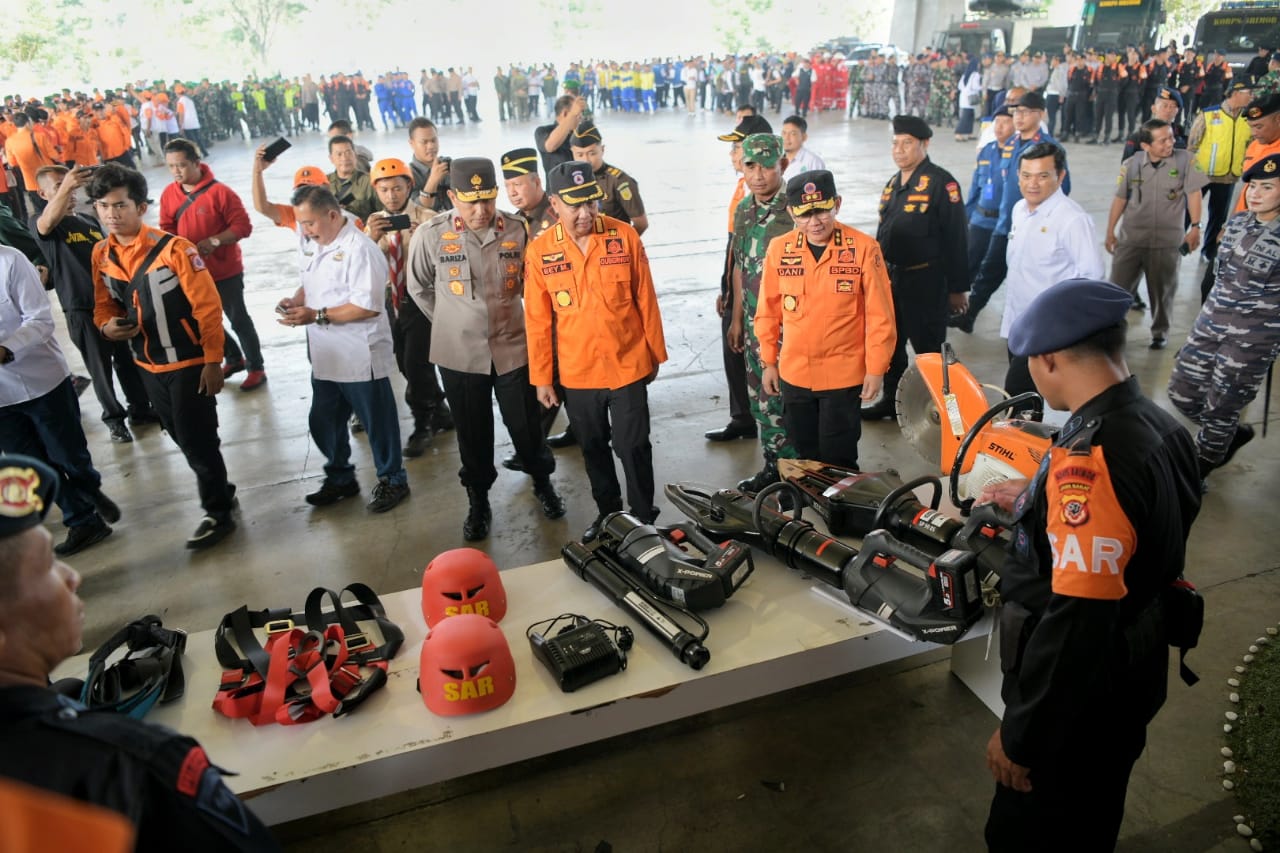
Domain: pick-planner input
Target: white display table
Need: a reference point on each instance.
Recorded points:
(777, 632)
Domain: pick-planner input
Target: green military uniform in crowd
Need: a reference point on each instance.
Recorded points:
(855, 85)
(942, 96)
(755, 225)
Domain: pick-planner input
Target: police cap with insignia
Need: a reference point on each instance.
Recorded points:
(809, 191)
(1240, 84)
(519, 161)
(585, 134)
(473, 179)
(746, 127)
(28, 487)
(1264, 106)
(1066, 314)
(762, 148)
(911, 126)
(1170, 94)
(574, 182)
(1267, 167)
(1003, 111)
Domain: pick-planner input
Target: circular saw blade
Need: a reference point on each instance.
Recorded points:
(919, 417)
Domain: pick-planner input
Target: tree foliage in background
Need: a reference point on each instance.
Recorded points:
(738, 23)
(572, 21)
(256, 23)
(46, 38)
(1182, 15)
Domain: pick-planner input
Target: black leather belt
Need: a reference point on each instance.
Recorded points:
(893, 268)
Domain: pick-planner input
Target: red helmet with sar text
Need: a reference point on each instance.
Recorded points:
(462, 580)
(465, 667)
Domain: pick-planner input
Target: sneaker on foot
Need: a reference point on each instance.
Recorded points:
(231, 368)
(82, 536)
(387, 495)
(210, 532)
(331, 493)
(105, 506)
(120, 433)
(356, 426)
(254, 379)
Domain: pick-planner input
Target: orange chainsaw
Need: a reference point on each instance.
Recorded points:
(945, 414)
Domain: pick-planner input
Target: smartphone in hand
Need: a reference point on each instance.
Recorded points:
(275, 149)
(398, 221)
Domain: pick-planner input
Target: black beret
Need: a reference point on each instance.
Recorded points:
(1067, 313)
(1267, 167)
(912, 126)
(1029, 100)
(746, 127)
(519, 161)
(28, 487)
(815, 190)
(574, 182)
(1264, 106)
(473, 179)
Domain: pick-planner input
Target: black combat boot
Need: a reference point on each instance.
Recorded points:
(476, 525)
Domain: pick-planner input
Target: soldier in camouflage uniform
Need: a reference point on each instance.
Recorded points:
(761, 216)
(1236, 337)
(855, 88)
(942, 95)
(915, 81)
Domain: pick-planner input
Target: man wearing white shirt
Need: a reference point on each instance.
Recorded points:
(795, 130)
(341, 301)
(1051, 239)
(39, 412)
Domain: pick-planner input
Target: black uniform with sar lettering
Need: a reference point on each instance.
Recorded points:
(160, 780)
(923, 235)
(1101, 532)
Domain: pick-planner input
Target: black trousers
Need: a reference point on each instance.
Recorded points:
(735, 367)
(471, 398)
(1105, 104)
(411, 342)
(824, 425)
(601, 417)
(1017, 380)
(191, 419)
(100, 356)
(1219, 202)
(1052, 817)
(1080, 112)
(231, 290)
(991, 273)
(920, 306)
(979, 240)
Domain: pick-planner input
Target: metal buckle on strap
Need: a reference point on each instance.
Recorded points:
(279, 626)
(355, 641)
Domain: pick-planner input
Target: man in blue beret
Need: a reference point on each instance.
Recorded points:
(1236, 336)
(1100, 532)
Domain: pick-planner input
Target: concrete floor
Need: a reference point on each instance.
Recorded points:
(890, 759)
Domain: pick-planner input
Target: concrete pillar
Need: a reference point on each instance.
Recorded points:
(916, 21)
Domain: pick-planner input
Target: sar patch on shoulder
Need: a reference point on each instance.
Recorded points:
(196, 260)
(1075, 509)
(953, 192)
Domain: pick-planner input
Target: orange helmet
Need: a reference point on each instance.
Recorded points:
(465, 666)
(162, 98)
(390, 168)
(462, 580)
(312, 175)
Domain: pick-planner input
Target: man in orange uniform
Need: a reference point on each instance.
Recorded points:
(114, 136)
(152, 289)
(590, 275)
(825, 292)
(1263, 116)
(27, 155)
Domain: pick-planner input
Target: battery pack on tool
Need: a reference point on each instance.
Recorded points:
(579, 655)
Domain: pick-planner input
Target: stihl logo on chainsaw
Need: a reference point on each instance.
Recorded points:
(1001, 451)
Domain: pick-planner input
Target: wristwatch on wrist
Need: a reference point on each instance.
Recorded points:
(322, 317)
(215, 242)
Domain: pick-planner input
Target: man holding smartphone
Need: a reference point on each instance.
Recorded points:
(175, 332)
(391, 228)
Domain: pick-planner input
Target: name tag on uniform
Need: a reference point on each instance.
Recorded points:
(551, 269)
(614, 260)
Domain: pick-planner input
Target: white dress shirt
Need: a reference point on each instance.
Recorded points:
(351, 269)
(1047, 245)
(26, 330)
(804, 160)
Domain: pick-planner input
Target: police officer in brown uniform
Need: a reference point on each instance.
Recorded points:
(533, 205)
(923, 237)
(621, 193)
(466, 274)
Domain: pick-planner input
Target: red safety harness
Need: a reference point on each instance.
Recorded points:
(300, 675)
